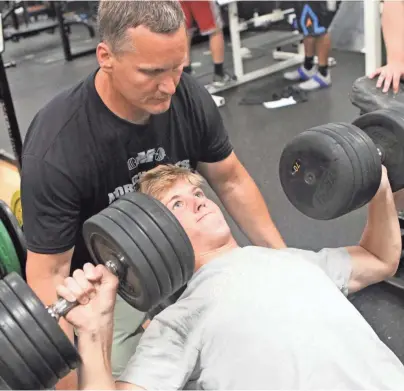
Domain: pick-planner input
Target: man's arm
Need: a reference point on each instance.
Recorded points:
(43, 280)
(95, 353)
(378, 254)
(50, 215)
(243, 200)
(393, 30)
(393, 34)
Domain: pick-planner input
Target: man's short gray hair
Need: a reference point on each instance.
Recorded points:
(116, 17)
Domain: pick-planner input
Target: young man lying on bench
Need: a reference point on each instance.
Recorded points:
(251, 317)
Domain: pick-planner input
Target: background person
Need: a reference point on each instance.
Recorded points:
(207, 16)
(313, 19)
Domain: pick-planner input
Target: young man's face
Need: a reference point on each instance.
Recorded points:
(148, 75)
(201, 218)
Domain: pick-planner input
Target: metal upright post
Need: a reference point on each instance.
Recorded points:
(9, 114)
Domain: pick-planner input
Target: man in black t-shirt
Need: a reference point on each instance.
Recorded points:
(89, 145)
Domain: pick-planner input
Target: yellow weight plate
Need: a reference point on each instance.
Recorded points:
(16, 206)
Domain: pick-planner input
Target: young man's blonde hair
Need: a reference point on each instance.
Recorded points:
(161, 179)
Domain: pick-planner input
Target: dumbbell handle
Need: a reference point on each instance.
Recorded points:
(61, 307)
(380, 152)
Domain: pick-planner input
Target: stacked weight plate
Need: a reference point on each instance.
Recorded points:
(13, 251)
(35, 351)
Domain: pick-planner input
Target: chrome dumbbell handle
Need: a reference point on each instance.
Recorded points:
(61, 307)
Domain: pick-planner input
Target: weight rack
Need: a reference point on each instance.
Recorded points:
(7, 105)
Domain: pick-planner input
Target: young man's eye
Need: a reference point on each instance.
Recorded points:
(199, 194)
(177, 204)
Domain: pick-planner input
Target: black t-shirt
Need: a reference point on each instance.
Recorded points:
(79, 157)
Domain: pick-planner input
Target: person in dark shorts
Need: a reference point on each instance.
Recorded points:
(91, 144)
(206, 14)
(313, 19)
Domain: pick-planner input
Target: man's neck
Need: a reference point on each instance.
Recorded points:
(205, 257)
(116, 102)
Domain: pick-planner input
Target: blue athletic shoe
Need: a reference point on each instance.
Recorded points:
(316, 82)
(300, 74)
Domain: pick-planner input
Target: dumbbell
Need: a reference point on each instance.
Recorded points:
(136, 238)
(333, 169)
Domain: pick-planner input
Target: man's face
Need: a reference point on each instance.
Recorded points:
(148, 76)
(201, 218)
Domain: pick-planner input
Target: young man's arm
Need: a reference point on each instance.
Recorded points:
(50, 222)
(165, 357)
(378, 255)
(393, 33)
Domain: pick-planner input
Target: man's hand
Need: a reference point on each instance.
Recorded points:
(388, 74)
(95, 289)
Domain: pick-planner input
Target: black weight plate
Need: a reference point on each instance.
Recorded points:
(370, 160)
(154, 232)
(16, 234)
(3, 384)
(33, 331)
(183, 249)
(357, 177)
(20, 376)
(317, 174)
(48, 324)
(10, 380)
(386, 129)
(171, 231)
(160, 244)
(121, 217)
(25, 349)
(107, 241)
(365, 160)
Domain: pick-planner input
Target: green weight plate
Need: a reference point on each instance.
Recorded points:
(107, 241)
(154, 229)
(15, 232)
(43, 318)
(33, 331)
(9, 261)
(19, 376)
(26, 349)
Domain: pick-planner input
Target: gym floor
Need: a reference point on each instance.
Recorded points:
(258, 136)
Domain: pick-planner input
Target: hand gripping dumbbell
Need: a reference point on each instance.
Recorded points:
(333, 169)
(138, 240)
